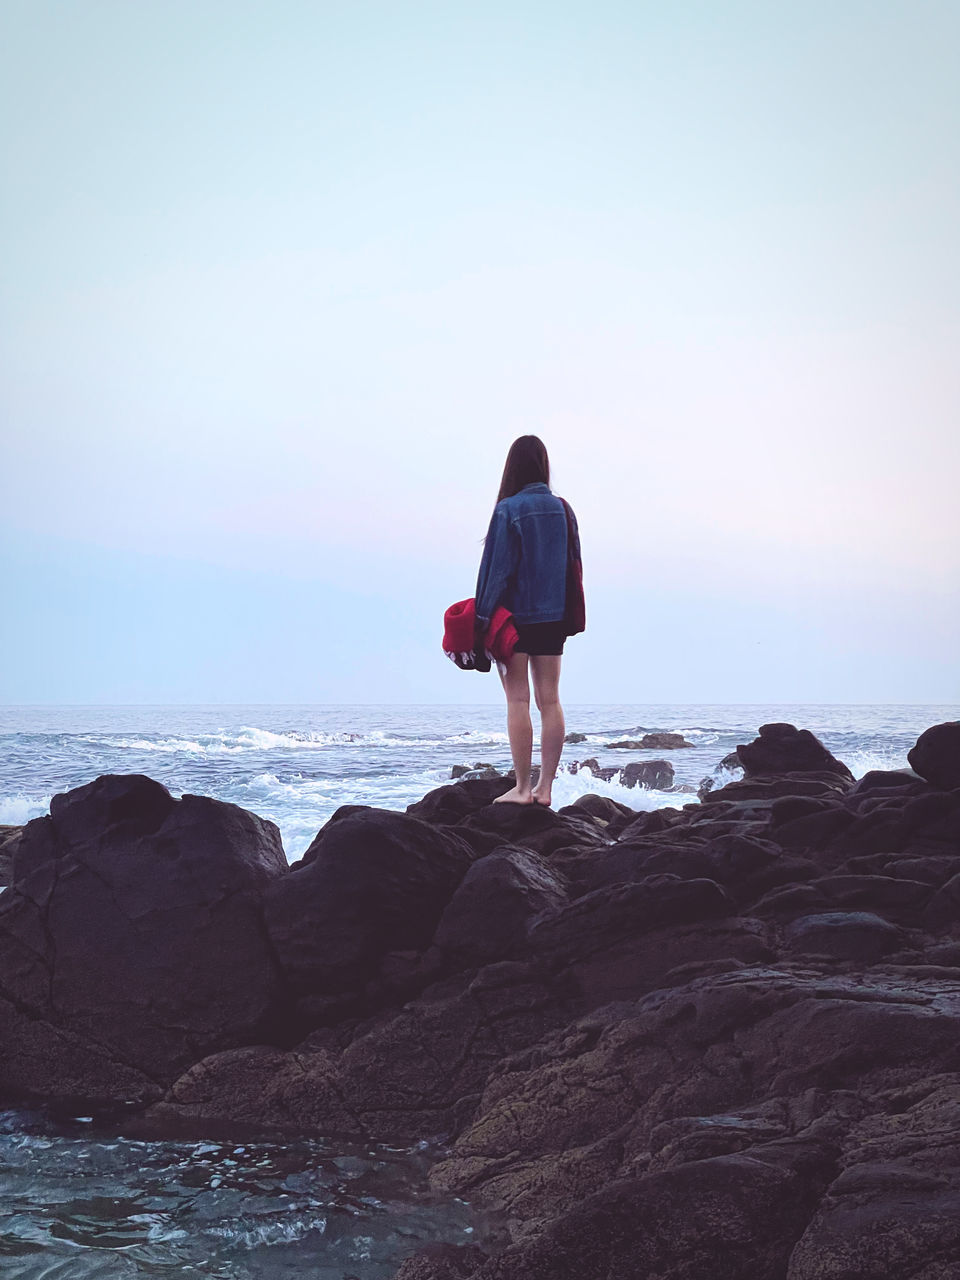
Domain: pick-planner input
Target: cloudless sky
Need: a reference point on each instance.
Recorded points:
(280, 282)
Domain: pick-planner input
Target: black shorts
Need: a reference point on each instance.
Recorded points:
(540, 638)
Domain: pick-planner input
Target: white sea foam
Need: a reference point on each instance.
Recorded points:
(250, 738)
(860, 762)
(17, 810)
(568, 787)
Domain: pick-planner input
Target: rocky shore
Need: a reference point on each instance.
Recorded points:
(715, 1042)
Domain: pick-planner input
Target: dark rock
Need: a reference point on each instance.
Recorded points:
(445, 806)
(592, 766)
(783, 748)
(9, 839)
(730, 1061)
(602, 807)
(770, 787)
(134, 928)
(378, 883)
(788, 901)
(880, 780)
(894, 896)
(723, 1218)
(730, 764)
(844, 935)
(598, 919)
(654, 775)
(814, 831)
(649, 823)
(651, 742)
(664, 741)
(573, 738)
(943, 909)
(892, 1210)
(936, 755)
(534, 827)
(402, 1077)
(442, 1262)
(488, 916)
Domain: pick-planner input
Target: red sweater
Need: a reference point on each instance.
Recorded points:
(459, 636)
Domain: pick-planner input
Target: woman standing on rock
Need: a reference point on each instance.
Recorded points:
(531, 566)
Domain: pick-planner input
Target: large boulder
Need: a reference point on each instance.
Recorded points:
(489, 915)
(377, 882)
(936, 755)
(783, 748)
(134, 923)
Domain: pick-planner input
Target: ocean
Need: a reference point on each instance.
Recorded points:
(297, 764)
(80, 1200)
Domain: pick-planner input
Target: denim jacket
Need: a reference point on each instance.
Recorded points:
(524, 563)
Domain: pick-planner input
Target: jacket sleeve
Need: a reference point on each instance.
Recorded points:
(501, 554)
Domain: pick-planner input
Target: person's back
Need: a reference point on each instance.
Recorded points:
(525, 557)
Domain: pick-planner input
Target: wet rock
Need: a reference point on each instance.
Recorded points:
(379, 882)
(573, 738)
(488, 916)
(844, 935)
(9, 839)
(880, 780)
(892, 1209)
(134, 925)
(654, 775)
(534, 827)
(446, 806)
(936, 755)
(808, 1051)
(481, 770)
(599, 919)
(731, 1216)
(604, 808)
(650, 823)
(783, 748)
(442, 1262)
(592, 766)
(651, 742)
(400, 1077)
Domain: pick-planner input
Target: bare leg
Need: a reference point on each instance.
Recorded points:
(516, 686)
(546, 679)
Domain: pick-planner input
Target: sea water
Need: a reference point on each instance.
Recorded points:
(297, 764)
(78, 1200)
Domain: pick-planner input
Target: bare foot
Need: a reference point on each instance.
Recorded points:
(515, 796)
(542, 798)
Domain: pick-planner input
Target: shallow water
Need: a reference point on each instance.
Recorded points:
(80, 1201)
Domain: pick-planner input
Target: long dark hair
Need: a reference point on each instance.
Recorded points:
(527, 463)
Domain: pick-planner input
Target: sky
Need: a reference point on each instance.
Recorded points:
(280, 282)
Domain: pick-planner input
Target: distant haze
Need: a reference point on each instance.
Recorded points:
(279, 283)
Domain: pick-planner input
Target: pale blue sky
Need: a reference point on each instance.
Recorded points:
(280, 282)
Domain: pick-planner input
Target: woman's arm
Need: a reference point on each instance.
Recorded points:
(501, 553)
